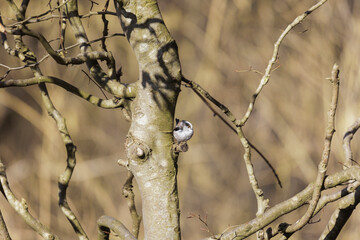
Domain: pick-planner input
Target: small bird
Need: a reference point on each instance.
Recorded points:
(183, 131)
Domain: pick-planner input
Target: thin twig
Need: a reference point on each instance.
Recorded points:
(201, 91)
(265, 79)
(90, 78)
(203, 221)
(250, 70)
(215, 113)
(92, 4)
(9, 69)
(98, 13)
(267, 162)
(24, 21)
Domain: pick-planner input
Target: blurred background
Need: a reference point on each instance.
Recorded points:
(222, 45)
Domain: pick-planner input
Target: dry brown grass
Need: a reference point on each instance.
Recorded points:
(215, 38)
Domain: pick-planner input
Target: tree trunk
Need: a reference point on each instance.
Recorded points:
(149, 141)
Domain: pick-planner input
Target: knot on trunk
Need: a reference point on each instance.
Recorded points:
(136, 150)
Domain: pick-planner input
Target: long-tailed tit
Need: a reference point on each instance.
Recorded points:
(183, 131)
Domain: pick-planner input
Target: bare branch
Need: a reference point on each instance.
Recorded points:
(265, 79)
(106, 223)
(22, 209)
(108, 103)
(28, 57)
(323, 201)
(322, 168)
(64, 178)
(262, 202)
(346, 143)
(244, 230)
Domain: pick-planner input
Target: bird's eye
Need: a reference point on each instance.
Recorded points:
(187, 124)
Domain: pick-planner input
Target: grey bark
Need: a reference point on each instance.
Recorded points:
(149, 141)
